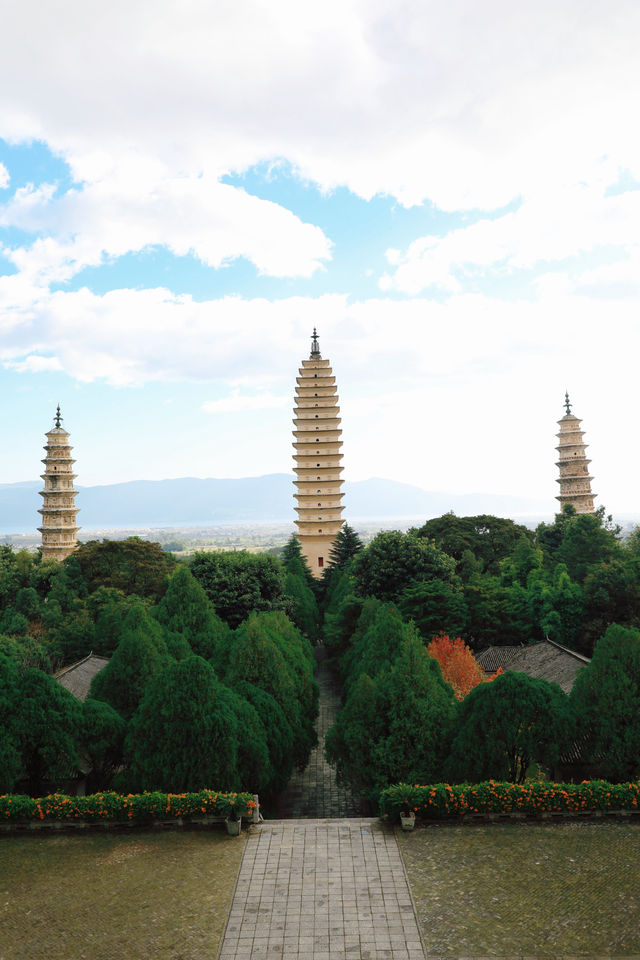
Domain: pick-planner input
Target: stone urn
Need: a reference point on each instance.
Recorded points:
(407, 820)
(234, 826)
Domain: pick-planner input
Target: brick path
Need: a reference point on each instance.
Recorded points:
(315, 791)
(322, 890)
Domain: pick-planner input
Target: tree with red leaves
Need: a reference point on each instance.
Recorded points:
(458, 664)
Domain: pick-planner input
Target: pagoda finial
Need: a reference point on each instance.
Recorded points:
(315, 346)
(566, 402)
(57, 417)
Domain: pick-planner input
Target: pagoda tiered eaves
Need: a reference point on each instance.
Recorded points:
(575, 479)
(317, 458)
(59, 512)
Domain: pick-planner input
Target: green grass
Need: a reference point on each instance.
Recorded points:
(138, 896)
(526, 890)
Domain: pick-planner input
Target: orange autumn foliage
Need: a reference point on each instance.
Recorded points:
(458, 664)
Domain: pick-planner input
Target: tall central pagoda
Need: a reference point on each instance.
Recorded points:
(59, 511)
(317, 459)
(574, 480)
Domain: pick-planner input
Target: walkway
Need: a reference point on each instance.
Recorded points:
(315, 791)
(322, 890)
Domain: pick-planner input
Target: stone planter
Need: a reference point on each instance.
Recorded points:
(408, 820)
(234, 827)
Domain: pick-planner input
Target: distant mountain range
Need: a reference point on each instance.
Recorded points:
(268, 499)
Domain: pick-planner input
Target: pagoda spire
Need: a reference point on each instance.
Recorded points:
(574, 479)
(59, 512)
(317, 459)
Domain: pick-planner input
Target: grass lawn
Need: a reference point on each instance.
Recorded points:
(526, 890)
(133, 896)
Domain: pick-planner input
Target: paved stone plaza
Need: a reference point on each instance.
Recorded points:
(322, 890)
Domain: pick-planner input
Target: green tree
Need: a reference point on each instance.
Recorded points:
(10, 760)
(505, 725)
(47, 726)
(489, 539)
(132, 565)
(186, 609)
(436, 607)
(184, 735)
(611, 595)
(139, 657)
(394, 560)
(393, 725)
(304, 609)
(377, 646)
(268, 652)
(102, 734)
(239, 583)
(280, 739)
(345, 547)
(606, 699)
(292, 552)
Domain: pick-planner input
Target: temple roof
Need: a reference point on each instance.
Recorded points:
(77, 677)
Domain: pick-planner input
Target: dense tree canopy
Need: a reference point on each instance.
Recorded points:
(132, 565)
(606, 699)
(489, 539)
(184, 736)
(140, 655)
(504, 726)
(239, 583)
(394, 560)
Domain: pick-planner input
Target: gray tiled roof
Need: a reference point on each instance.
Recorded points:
(545, 660)
(549, 661)
(493, 658)
(78, 676)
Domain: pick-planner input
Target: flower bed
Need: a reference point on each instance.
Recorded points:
(126, 808)
(441, 801)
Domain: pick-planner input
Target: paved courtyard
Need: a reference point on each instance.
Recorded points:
(322, 890)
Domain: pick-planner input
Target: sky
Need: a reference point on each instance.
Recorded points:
(449, 192)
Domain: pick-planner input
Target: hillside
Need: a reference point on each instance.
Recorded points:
(246, 500)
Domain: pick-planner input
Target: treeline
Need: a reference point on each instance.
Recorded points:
(209, 681)
(495, 583)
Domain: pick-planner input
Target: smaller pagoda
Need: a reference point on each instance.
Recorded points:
(59, 529)
(574, 479)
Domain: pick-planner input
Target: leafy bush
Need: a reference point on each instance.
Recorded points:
(124, 807)
(440, 801)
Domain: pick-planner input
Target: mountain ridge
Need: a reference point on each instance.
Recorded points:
(264, 499)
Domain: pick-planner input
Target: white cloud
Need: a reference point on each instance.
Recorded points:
(34, 363)
(214, 221)
(550, 227)
(468, 106)
(237, 403)
(5, 179)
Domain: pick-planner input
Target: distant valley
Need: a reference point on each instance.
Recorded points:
(248, 500)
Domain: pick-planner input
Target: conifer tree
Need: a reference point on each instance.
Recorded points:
(184, 735)
(141, 654)
(186, 609)
(345, 547)
(606, 700)
(505, 725)
(48, 730)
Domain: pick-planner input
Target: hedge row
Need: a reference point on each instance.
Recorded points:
(126, 807)
(440, 801)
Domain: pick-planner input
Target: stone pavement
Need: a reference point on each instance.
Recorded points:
(315, 791)
(322, 890)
